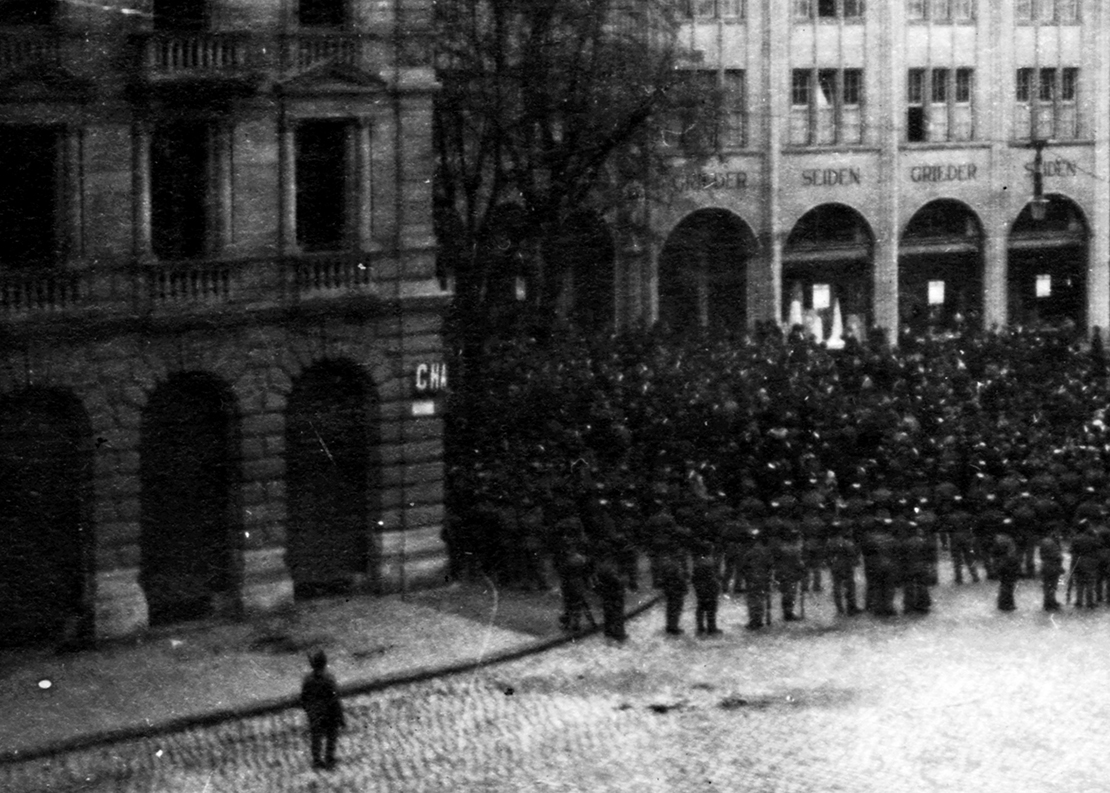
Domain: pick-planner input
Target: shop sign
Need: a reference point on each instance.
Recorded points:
(830, 177)
(712, 180)
(1057, 167)
(965, 172)
(430, 378)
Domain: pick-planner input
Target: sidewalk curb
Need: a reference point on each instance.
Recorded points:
(267, 707)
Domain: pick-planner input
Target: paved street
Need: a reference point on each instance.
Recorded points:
(965, 699)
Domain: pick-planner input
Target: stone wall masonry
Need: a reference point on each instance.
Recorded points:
(413, 451)
(414, 517)
(417, 542)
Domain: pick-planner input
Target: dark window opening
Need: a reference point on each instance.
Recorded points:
(169, 15)
(29, 207)
(179, 190)
(322, 13)
(28, 12)
(915, 124)
(322, 185)
(826, 8)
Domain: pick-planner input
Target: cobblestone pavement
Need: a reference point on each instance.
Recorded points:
(965, 699)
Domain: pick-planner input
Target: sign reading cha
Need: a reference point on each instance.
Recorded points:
(431, 378)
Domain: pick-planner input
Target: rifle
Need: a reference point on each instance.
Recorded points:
(803, 587)
(1067, 593)
(769, 601)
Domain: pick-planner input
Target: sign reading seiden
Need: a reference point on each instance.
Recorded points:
(830, 177)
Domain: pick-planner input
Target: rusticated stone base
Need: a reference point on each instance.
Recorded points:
(121, 606)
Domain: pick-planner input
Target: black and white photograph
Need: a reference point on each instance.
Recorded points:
(631, 396)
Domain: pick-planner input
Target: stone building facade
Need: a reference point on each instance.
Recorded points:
(217, 289)
(874, 165)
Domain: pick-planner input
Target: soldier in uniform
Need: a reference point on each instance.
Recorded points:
(961, 540)
(610, 590)
(789, 570)
(916, 556)
(843, 556)
(1007, 565)
(575, 584)
(1084, 565)
(1052, 567)
(758, 567)
(707, 589)
(673, 580)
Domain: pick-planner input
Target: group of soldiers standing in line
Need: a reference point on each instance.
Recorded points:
(755, 465)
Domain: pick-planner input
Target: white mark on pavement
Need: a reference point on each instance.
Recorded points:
(44, 684)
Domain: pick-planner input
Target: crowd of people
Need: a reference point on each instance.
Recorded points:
(766, 461)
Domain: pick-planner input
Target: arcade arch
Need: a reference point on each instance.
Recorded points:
(187, 545)
(1046, 277)
(45, 521)
(328, 442)
(827, 266)
(940, 268)
(703, 273)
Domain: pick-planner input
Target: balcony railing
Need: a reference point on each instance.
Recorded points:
(306, 49)
(330, 275)
(183, 289)
(25, 48)
(41, 293)
(195, 54)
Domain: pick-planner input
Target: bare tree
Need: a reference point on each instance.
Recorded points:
(544, 105)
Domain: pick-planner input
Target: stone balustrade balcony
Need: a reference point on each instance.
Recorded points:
(179, 290)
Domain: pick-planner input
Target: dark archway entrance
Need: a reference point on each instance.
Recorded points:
(45, 492)
(328, 447)
(580, 263)
(827, 273)
(940, 269)
(187, 550)
(703, 273)
(1047, 270)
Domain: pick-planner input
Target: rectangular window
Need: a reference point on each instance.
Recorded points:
(826, 106)
(731, 9)
(942, 10)
(962, 11)
(1023, 10)
(734, 134)
(915, 101)
(180, 190)
(963, 85)
(322, 13)
(1024, 84)
(947, 113)
(1068, 84)
(1067, 121)
(1047, 92)
(940, 86)
(828, 9)
(29, 216)
(705, 9)
(915, 9)
(1067, 11)
(1044, 10)
(322, 172)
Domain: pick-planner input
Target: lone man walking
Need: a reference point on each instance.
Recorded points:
(320, 700)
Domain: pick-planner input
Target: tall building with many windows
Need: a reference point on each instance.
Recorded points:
(905, 163)
(219, 319)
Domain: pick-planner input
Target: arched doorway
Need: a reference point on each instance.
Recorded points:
(703, 273)
(328, 444)
(45, 492)
(1047, 265)
(827, 272)
(187, 547)
(579, 264)
(940, 268)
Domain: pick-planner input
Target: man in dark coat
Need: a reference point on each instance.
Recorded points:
(707, 589)
(1052, 567)
(1007, 566)
(843, 557)
(673, 580)
(757, 566)
(321, 703)
(610, 589)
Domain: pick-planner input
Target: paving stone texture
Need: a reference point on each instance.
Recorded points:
(964, 699)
